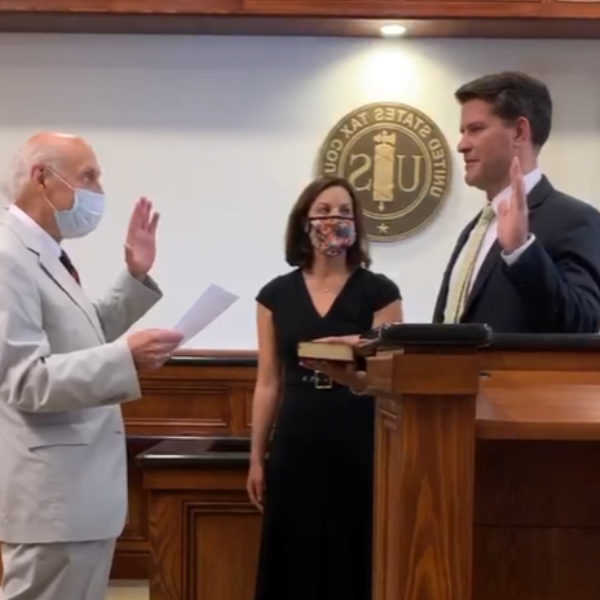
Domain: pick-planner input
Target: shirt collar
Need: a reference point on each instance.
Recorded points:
(530, 180)
(41, 234)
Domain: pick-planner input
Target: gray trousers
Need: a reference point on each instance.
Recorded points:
(69, 571)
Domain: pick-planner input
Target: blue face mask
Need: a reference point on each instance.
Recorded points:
(83, 217)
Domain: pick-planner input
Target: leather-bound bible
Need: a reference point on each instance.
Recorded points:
(326, 351)
(397, 335)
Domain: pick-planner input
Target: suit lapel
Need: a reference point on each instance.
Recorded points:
(490, 263)
(440, 306)
(537, 195)
(52, 266)
(462, 240)
(59, 274)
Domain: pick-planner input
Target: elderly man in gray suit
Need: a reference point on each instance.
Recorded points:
(65, 368)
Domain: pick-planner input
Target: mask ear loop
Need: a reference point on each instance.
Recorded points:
(41, 179)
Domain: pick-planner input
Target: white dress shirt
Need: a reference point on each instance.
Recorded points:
(530, 180)
(41, 234)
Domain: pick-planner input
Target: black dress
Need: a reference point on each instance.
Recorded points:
(317, 528)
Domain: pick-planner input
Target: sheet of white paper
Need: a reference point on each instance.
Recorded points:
(209, 307)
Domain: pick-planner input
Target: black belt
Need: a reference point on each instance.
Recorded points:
(314, 379)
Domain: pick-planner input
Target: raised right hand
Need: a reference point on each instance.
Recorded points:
(151, 348)
(256, 485)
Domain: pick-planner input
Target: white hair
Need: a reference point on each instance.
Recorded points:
(19, 171)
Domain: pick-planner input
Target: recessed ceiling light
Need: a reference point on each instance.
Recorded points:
(393, 30)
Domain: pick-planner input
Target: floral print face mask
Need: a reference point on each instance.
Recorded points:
(332, 235)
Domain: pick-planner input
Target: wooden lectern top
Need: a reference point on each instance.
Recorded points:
(539, 406)
(544, 387)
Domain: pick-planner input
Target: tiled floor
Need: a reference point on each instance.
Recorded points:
(127, 590)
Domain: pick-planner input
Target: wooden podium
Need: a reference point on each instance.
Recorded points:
(487, 465)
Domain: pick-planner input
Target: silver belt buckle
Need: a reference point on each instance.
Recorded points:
(322, 381)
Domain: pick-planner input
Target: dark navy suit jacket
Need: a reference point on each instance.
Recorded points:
(554, 286)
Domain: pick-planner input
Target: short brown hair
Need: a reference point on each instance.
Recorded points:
(298, 249)
(513, 95)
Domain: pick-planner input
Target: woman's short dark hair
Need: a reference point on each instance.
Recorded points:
(298, 249)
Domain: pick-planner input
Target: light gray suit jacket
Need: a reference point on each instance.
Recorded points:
(63, 374)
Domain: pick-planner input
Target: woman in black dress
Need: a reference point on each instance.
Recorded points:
(316, 488)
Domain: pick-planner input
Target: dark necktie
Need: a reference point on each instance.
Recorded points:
(66, 261)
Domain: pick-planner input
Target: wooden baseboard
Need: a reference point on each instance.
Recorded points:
(129, 564)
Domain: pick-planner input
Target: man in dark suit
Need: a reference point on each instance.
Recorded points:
(530, 261)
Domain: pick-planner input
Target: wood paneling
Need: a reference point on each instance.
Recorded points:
(508, 410)
(424, 476)
(537, 524)
(363, 18)
(460, 514)
(131, 557)
(537, 484)
(527, 441)
(203, 532)
(530, 529)
(201, 7)
(198, 394)
(395, 9)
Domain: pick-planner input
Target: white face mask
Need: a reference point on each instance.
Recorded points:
(85, 214)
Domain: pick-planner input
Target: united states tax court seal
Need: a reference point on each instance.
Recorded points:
(398, 161)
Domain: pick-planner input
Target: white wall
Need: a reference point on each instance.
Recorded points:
(222, 133)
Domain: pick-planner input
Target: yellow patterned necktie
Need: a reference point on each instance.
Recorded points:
(459, 291)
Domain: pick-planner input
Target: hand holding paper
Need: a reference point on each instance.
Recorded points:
(209, 307)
